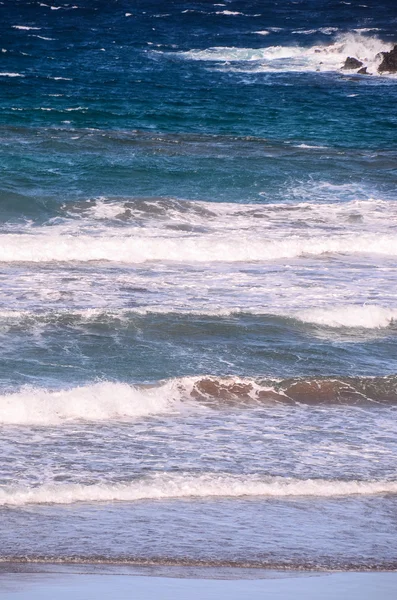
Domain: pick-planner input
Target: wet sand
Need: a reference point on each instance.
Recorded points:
(88, 583)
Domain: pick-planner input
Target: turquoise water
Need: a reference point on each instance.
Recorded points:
(197, 263)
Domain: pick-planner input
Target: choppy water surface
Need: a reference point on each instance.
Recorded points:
(198, 240)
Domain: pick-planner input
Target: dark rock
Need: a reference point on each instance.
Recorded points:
(389, 62)
(363, 71)
(352, 63)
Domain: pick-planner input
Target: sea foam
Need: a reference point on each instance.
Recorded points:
(96, 402)
(185, 485)
(367, 316)
(26, 27)
(124, 248)
(4, 74)
(327, 57)
(109, 401)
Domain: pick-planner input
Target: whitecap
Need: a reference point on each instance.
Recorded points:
(11, 75)
(228, 12)
(362, 316)
(59, 246)
(330, 57)
(26, 27)
(96, 402)
(41, 37)
(188, 485)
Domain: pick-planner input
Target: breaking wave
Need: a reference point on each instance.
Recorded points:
(25, 27)
(96, 402)
(328, 57)
(61, 247)
(367, 317)
(370, 316)
(184, 485)
(107, 401)
(317, 204)
(11, 75)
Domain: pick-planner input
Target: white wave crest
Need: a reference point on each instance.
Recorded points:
(96, 402)
(42, 37)
(11, 75)
(26, 27)
(368, 317)
(328, 57)
(128, 249)
(168, 486)
(230, 13)
(353, 316)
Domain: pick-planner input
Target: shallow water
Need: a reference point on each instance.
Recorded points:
(197, 262)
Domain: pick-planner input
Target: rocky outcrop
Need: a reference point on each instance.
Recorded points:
(352, 63)
(363, 71)
(389, 62)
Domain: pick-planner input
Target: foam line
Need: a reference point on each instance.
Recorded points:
(367, 317)
(108, 401)
(169, 486)
(96, 402)
(63, 248)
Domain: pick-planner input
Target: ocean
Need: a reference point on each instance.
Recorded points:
(198, 310)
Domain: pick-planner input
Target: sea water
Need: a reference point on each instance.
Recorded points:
(198, 311)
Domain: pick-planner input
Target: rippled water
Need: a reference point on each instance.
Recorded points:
(198, 287)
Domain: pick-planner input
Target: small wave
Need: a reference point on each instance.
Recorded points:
(184, 485)
(96, 402)
(48, 109)
(66, 7)
(216, 392)
(119, 401)
(230, 13)
(310, 147)
(310, 203)
(321, 200)
(367, 317)
(366, 29)
(26, 27)
(324, 30)
(42, 37)
(192, 10)
(11, 75)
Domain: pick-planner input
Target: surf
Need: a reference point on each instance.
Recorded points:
(164, 486)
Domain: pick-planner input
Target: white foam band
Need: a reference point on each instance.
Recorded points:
(167, 486)
(369, 316)
(300, 58)
(53, 247)
(109, 401)
(97, 402)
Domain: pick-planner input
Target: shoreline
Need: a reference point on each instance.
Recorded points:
(44, 564)
(146, 583)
